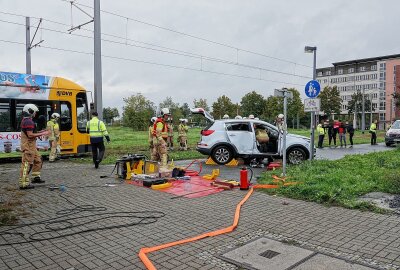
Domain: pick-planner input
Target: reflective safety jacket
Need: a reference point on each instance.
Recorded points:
(151, 134)
(97, 129)
(372, 128)
(182, 129)
(170, 128)
(160, 130)
(320, 129)
(54, 129)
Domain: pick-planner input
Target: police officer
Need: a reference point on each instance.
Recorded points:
(97, 129)
(160, 136)
(182, 135)
(31, 159)
(54, 136)
(372, 130)
(321, 134)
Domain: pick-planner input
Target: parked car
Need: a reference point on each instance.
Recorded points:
(392, 136)
(226, 139)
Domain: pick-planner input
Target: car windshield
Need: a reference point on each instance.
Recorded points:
(396, 125)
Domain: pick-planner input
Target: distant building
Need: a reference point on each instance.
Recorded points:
(377, 77)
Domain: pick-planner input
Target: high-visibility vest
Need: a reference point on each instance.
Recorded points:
(182, 129)
(161, 127)
(372, 128)
(97, 128)
(320, 129)
(54, 129)
(151, 134)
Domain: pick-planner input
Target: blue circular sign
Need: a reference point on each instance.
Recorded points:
(312, 89)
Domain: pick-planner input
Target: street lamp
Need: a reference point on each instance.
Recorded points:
(309, 49)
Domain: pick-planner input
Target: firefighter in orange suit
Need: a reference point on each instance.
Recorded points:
(160, 136)
(31, 159)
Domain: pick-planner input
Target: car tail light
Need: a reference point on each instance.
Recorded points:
(207, 132)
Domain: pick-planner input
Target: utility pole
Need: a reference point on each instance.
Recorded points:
(97, 61)
(370, 99)
(28, 45)
(285, 92)
(363, 111)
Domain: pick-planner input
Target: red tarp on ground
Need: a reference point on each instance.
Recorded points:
(194, 188)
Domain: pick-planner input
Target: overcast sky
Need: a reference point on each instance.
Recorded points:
(341, 29)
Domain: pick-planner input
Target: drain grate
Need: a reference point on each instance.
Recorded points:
(269, 254)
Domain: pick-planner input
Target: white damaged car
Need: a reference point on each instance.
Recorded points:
(226, 139)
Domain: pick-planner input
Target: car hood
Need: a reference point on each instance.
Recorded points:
(393, 131)
(298, 136)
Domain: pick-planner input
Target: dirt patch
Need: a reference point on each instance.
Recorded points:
(383, 200)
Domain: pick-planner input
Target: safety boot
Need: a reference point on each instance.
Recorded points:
(24, 184)
(37, 180)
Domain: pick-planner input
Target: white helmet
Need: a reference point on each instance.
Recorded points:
(256, 118)
(251, 116)
(281, 116)
(238, 117)
(165, 111)
(225, 116)
(153, 119)
(30, 109)
(55, 115)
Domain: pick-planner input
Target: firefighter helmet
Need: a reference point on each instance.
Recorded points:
(55, 115)
(165, 111)
(225, 116)
(153, 119)
(281, 116)
(30, 109)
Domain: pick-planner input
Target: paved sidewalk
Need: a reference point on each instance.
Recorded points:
(360, 237)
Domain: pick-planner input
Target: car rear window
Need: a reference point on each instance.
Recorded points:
(237, 126)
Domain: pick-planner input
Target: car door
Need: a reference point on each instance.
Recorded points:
(241, 136)
(272, 145)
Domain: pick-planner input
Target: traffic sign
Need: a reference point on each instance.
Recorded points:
(312, 89)
(312, 104)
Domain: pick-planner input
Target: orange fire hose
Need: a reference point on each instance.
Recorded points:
(143, 251)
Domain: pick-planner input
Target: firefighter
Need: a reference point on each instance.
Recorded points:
(151, 145)
(54, 136)
(97, 129)
(170, 139)
(280, 123)
(160, 136)
(182, 135)
(31, 159)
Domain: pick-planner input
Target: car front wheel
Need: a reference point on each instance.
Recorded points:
(222, 155)
(296, 155)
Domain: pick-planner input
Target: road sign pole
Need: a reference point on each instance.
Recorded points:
(313, 113)
(285, 90)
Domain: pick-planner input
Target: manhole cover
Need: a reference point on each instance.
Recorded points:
(269, 254)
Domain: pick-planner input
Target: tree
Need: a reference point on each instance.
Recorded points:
(295, 108)
(222, 106)
(330, 100)
(109, 114)
(185, 110)
(252, 103)
(355, 104)
(137, 112)
(273, 107)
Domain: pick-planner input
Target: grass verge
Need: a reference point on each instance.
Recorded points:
(341, 182)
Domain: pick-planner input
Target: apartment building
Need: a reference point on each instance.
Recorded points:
(377, 77)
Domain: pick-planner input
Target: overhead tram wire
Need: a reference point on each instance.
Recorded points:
(181, 53)
(157, 64)
(193, 36)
